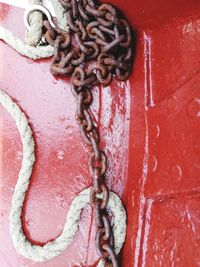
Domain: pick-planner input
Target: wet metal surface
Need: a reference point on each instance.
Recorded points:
(150, 132)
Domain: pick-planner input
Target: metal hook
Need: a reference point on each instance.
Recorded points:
(40, 8)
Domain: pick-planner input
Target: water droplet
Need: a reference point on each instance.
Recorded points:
(155, 131)
(61, 201)
(169, 238)
(29, 221)
(37, 133)
(172, 105)
(12, 142)
(193, 108)
(19, 155)
(153, 163)
(62, 118)
(176, 172)
(61, 154)
(155, 257)
(23, 262)
(55, 81)
(29, 61)
(60, 227)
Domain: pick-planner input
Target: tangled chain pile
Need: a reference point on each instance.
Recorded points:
(96, 33)
(97, 47)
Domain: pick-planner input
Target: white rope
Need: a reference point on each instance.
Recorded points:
(33, 36)
(60, 15)
(29, 48)
(24, 49)
(53, 248)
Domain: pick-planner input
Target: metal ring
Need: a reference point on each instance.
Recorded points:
(40, 8)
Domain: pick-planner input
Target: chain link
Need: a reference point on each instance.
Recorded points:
(97, 48)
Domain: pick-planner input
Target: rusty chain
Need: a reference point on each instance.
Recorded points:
(97, 47)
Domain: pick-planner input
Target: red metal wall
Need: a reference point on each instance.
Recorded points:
(150, 131)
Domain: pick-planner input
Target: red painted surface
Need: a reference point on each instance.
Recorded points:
(150, 131)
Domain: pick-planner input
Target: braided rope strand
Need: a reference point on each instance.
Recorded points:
(33, 36)
(57, 246)
(24, 49)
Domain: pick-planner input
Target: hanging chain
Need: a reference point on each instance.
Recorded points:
(97, 47)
